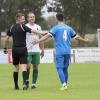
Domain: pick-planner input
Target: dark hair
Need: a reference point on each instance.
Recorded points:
(18, 15)
(60, 16)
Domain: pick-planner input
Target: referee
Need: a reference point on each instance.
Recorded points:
(19, 51)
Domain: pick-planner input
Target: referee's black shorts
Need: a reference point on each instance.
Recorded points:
(19, 55)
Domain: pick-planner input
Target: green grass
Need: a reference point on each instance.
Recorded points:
(84, 83)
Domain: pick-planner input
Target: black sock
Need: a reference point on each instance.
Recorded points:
(24, 73)
(15, 77)
(28, 72)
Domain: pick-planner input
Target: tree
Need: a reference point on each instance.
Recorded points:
(95, 14)
(83, 14)
(9, 8)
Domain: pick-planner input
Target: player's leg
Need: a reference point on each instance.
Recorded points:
(61, 76)
(23, 63)
(35, 63)
(66, 64)
(59, 66)
(28, 73)
(24, 74)
(29, 59)
(15, 76)
(65, 70)
(16, 68)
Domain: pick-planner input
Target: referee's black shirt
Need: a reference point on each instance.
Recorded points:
(18, 33)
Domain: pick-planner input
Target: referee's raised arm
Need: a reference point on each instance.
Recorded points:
(39, 32)
(27, 29)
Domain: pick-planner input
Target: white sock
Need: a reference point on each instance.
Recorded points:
(64, 84)
(33, 84)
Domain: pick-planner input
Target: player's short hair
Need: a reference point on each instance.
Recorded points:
(30, 13)
(60, 16)
(18, 15)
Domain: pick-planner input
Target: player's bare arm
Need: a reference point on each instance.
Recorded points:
(41, 45)
(6, 42)
(78, 37)
(39, 32)
(42, 39)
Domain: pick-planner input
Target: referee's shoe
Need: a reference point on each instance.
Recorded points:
(25, 87)
(16, 87)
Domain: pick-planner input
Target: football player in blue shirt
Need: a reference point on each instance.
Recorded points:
(62, 35)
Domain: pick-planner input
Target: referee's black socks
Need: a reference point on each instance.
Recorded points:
(28, 72)
(15, 77)
(24, 73)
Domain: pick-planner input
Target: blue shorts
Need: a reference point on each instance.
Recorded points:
(62, 61)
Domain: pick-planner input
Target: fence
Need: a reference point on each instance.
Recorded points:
(78, 55)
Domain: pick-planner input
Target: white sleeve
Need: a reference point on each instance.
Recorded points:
(39, 28)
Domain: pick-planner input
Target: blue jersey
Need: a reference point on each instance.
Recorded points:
(62, 34)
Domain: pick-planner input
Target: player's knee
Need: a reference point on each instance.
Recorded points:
(35, 66)
(16, 68)
(28, 66)
(24, 67)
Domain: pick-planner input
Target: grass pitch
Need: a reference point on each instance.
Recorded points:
(84, 83)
